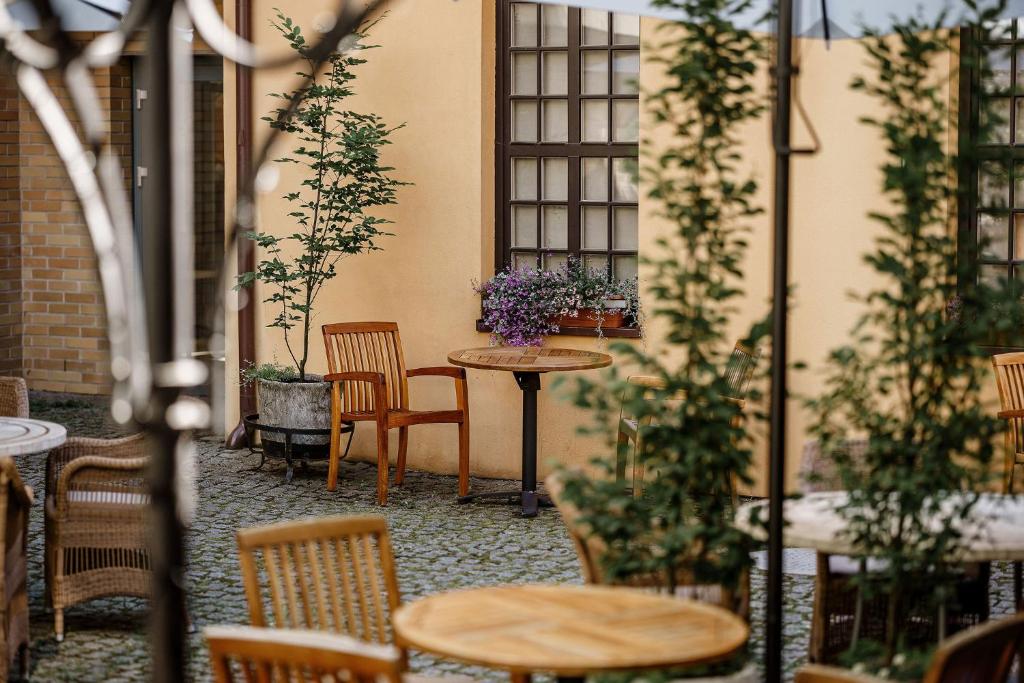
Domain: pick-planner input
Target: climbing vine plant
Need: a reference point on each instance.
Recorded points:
(909, 381)
(680, 528)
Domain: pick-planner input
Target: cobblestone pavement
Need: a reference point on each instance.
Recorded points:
(438, 545)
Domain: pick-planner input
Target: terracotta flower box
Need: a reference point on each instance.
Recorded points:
(614, 317)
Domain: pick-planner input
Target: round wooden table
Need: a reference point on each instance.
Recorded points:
(526, 363)
(570, 631)
(21, 435)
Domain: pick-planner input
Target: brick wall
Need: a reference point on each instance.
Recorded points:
(52, 322)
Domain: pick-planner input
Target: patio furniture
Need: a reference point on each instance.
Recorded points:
(253, 426)
(13, 397)
(993, 532)
(527, 364)
(590, 549)
(369, 382)
(1009, 372)
(568, 630)
(21, 436)
(738, 372)
(15, 501)
(983, 653)
(97, 541)
(245, 653)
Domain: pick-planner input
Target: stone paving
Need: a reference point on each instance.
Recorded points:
(438, 545)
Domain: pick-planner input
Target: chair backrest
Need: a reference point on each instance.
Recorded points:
(983, 653)
(245, 653)
(15, 503)
(101, 479)
(818, 673)
(1009, 371)
(740, 368)
(13, 397)
(330, 574)
(367, 347)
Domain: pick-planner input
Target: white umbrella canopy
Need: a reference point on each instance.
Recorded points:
(846, 18)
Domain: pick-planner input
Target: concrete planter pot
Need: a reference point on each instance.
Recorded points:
(299, 405)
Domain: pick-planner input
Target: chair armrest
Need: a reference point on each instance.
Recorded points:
(1010, 414)
(648, 381)
(127, 447)
(371, 377)
(440, 371)
(130, 466)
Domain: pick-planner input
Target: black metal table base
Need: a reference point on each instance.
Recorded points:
(287, 449)
(528, 497)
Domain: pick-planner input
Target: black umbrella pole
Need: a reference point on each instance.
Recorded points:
(780, 287)
(167, 535)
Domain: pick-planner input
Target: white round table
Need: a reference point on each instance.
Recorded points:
(20, 435)
(992, 532)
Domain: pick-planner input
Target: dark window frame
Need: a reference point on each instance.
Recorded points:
(506, 150)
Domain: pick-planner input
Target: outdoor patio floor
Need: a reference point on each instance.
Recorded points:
(438, 545)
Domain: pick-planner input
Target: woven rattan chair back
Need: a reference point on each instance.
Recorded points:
(367, 347)
(329, 574)
(1009, 371)
(257, 655)
(15, 503)
(13, 397)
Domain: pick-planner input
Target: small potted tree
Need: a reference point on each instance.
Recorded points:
(343, 180)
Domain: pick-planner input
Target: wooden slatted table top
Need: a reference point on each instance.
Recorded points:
(20, 435)
(568, 630)
(529, 359)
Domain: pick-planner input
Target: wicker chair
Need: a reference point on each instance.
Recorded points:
(738, 372)
(245, 653)
(590, 548)
(983, 653)
(96, 500)
(15, 501)
(13, 397)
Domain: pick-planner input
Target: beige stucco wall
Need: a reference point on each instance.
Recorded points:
(434, 71)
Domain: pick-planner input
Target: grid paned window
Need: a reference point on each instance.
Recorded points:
(568, 132)
(995, 102)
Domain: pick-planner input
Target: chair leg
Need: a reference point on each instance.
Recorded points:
(334, 463)
(403, 448)
(621, 456)
(464, 457)
(58, 624)
(382, 464)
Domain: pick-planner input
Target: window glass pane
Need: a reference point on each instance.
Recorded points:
(623, 180)
(524, 73)
(595, 179)
(556, 180)
(994, 185)
(993, 235)
(556, 73)
(594, 221)
(624, 228)
(594, 120)
(556, 120)
(997, 58)
(625, 120)
(626, 29)
(556, 227)
(626, 69)
(1019, 131)
(524, 179)
(554, 25)
(999, 30)
(1018, 237)
(524, 261)
(595, 262)
(1018, 186)
(524, 24)
(995, 121)
(594, 79)
(524, 121)
(553, 262)
(524, 226)
(624, 267)
(593, 27)
(993, 276)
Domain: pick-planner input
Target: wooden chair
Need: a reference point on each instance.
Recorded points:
(738, 372)
(1009, 371)
(96, 522)
(983, 653)
(15, 501)
(13, 397)
(245, 653)
(590, 549)
(369, 381)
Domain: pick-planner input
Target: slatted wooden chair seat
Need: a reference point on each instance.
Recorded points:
(370, 383)
(334, 574)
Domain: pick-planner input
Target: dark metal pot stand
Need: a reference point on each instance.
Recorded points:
(290, 451)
